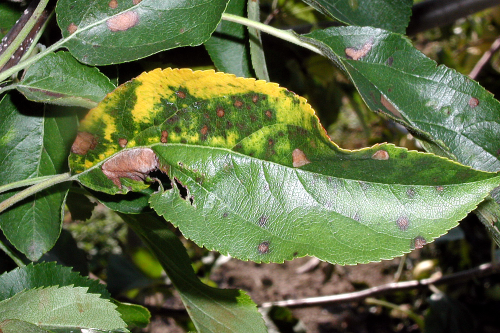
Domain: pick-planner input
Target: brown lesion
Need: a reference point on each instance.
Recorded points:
(135, 164)
(84, 142)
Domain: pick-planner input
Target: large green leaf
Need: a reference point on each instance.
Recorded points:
(102, 32)
(228, 46)
(45, 275)
(386, 14)
(211, 309)
(33, 142)
(439, 103)
(58, 78)
(253, 174)
(62, 307)
(16, 326)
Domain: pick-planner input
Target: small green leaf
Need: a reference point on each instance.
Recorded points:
(442, 105)
(60, 79)
(256, 47)
(228, 46)
(110, 32)
(9, 15)
(133, 314)
(248, 163)
(386, 14)
(16, 326)
(41, 275)
(211, 309)
(62, 307)
(33, 142)
(80, 206)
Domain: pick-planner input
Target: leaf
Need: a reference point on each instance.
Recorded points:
(110, 32)
(443, 106)
(256, 47)
(60, 79)
(133, 314)
(33, 142)
(249, 164)
(9, 15)
(35, 276)
(228, 47)
(80, 206)
(385, 14)
(63, 307)
(448, 315)
(16, 326)
(211, 309)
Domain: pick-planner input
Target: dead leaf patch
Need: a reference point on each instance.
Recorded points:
(299, 158)
(135, 164)
(84, 142)
(123, 21)
(356, 54)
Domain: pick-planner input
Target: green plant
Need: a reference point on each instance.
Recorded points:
(240, 166)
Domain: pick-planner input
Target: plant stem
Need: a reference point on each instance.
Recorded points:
(53, 180)
(11, 254)
(4, 75)
(18, 40)
(287, 35)
(24, 182)
(416, 318)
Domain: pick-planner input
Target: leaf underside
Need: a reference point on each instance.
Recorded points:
(252, 173)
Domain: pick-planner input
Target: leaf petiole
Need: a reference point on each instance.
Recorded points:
(287, 35)
(43, 184)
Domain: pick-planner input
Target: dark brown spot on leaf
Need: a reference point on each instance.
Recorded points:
(390, 60)
(253, 118)
(381, 155)
(229, 124)
(403, 223)
(113, 4)
(204, 130)
(356, 54)
(411, 192)
(180, 94)
(269, 114)
(299, 158)
(263, 247)
(263, 220)
(226, 214)
(135, 164)
(84, 142)
(270, 142)
(164, 137)
(72, 28)
(135, 2)
(238, 103)
(220, 112)
(123, 21)
(255, 98)
(419, 242)
(473, 102)
(122, 142)
(439, 188)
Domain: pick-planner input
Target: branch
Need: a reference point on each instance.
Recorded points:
(485, 59)
(482, 270)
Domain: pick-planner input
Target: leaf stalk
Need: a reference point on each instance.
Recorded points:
(53, 180)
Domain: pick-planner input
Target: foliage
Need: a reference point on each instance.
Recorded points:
(240, 166)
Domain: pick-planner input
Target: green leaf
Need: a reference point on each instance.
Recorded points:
(228, 47)
(60, 79)
(448, 315)
(33, 142)
(80, 206)
(9, 15)
(35, 276)
(133, 314)
(16, 326)
(62, 307)
(252, 173)
(443, 106)
(386, 14)
(256, 47)
(110, 32)
(211, 309)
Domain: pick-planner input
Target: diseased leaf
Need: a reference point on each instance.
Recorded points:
(442, 105)
(63, 307)
(386, 14)
(228, 47)
(110, 32)
(16, 326)
(33, 142)
(60, 79)
(211, 309)
(248, 163)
